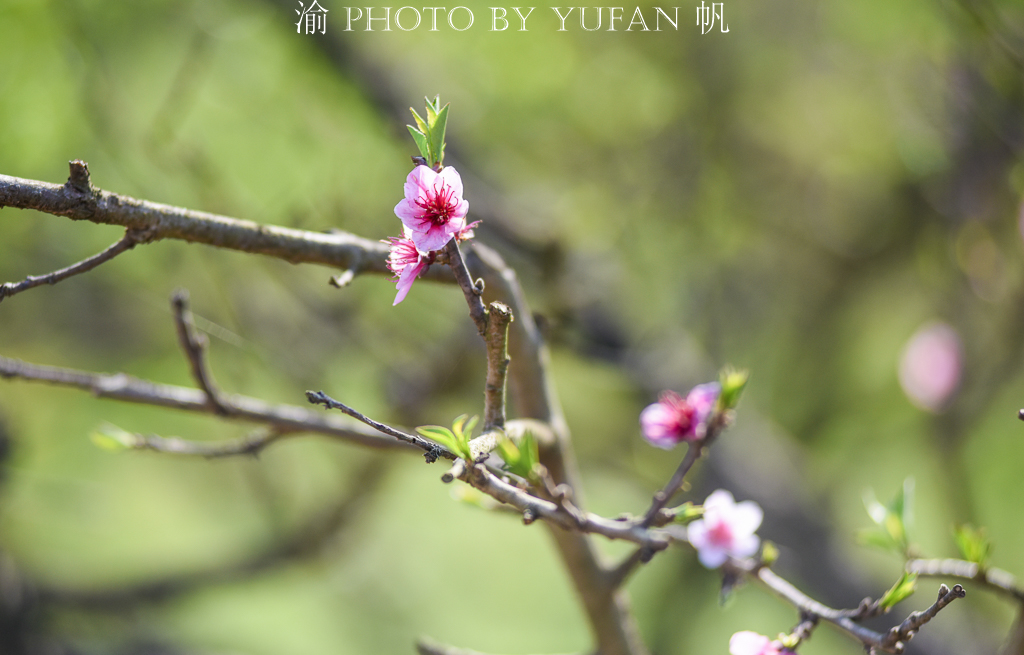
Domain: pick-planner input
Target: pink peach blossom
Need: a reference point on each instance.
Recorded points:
(726, 529)
(930, 366)
(406, 262)
(433, 207)
(751, 643)
(673, 419)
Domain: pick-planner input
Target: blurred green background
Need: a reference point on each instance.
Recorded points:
(797, 196)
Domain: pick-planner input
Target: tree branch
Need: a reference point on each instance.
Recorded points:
(252, 444)
(498, 318)
(995, 579)
(432, 450)
(194, 344)
(893, 641)
(127, 242)
(158, 221)
(288, 419)
(694, 450)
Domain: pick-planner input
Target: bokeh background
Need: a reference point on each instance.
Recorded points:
(799, 196)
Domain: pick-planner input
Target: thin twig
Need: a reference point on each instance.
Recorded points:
(498, 318)
(127, 242)
(290, 419)
(194, 344)
(477, 311)
(425, 646)
(892, 641)
(618, 575)
(897, 635)
(251, 444)
(995, 579)
(432, 450)
(694, 450)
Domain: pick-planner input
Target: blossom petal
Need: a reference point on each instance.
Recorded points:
(656, 423)
(697, 534)
(451, 178)
(719, 499)
(745, 546)
(712, 557)
(409, 275)
(746, 517)
(748, 643)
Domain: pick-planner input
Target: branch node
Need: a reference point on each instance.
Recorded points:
(457, 470)
(79, 178)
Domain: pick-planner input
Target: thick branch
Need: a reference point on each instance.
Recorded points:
(498, 318)
(159, 221)
(288, 419)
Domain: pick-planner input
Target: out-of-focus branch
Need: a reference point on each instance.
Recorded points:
(305, 542)
(288, 419)
(426, 646)
(251, 444)
(127, 242)
(194, 344)
(995, 579)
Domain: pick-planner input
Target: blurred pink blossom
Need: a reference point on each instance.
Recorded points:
(433, 207)
(673, 419)
(930, 366)
(726, 529)
(751, 643)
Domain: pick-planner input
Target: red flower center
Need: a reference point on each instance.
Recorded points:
(438, 206)
(719, 533)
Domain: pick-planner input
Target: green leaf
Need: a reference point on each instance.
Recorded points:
(424, 128)
(875, 509)
(442, 436)
(470, 424)
(973, 545)
(733, 381)
(421, 141)
(903, 588)
(530, 450)
(688, 512)
(879, 539)
(110, 437)
(437, 130)
(894, 518)
(433, 106)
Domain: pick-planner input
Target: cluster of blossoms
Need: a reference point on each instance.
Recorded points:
(432, 212)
